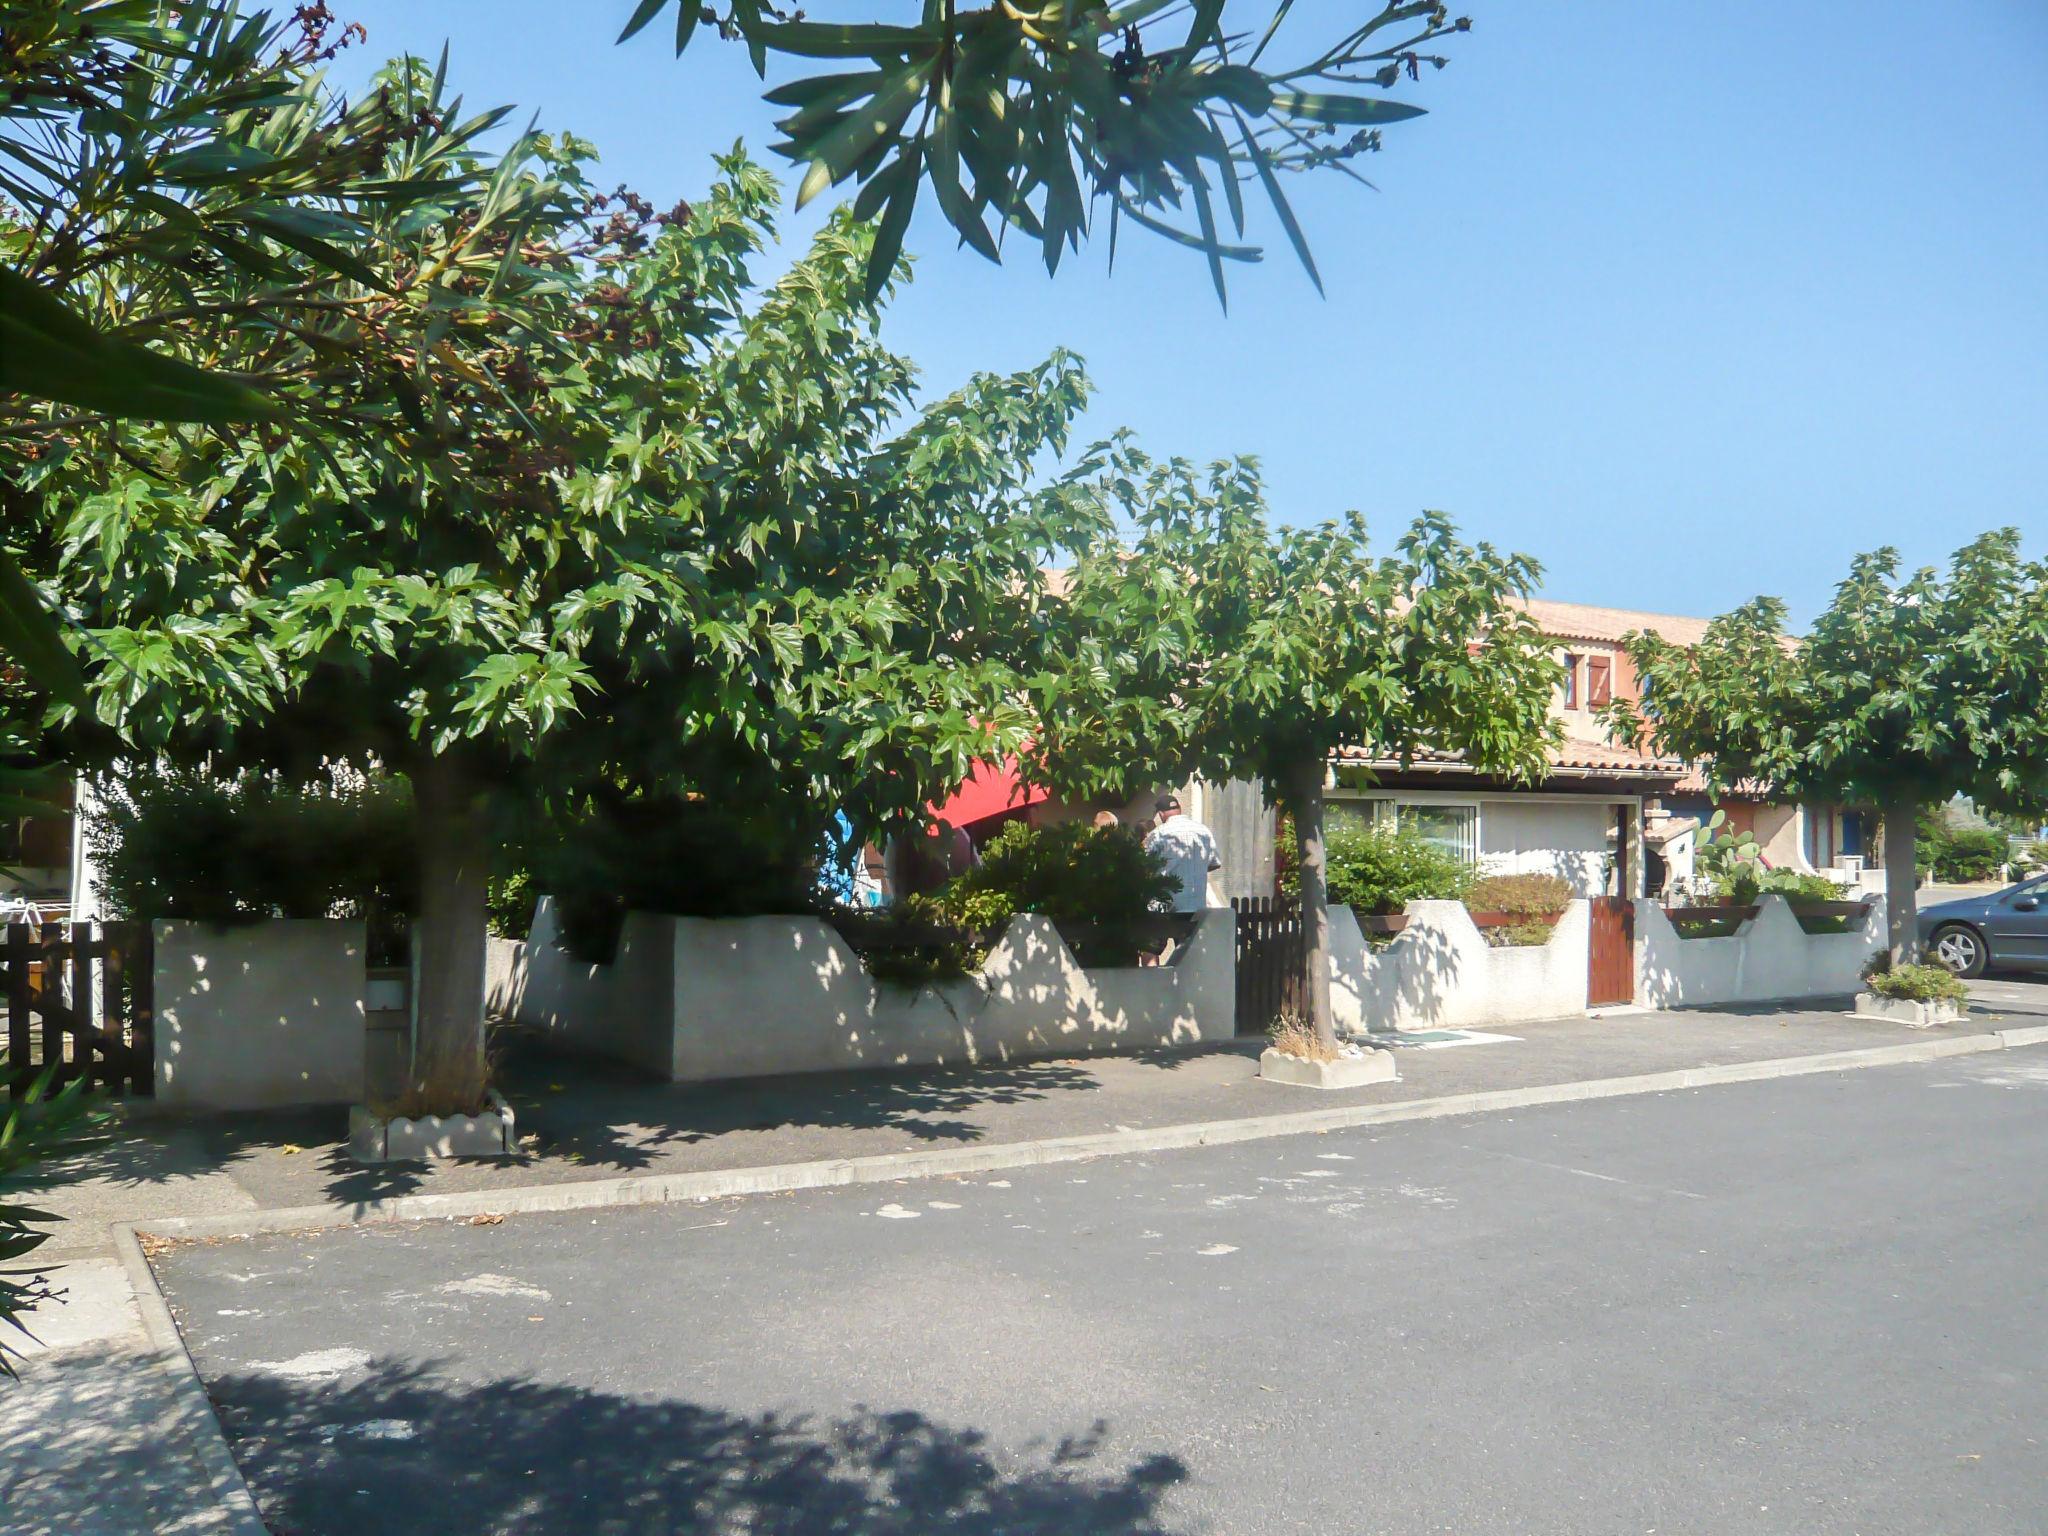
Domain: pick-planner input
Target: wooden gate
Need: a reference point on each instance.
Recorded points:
(90, 1020)
(1611, 974)
(1272, 956)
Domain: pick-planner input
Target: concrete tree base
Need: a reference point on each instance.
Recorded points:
(1908, 1011)
(1357, 1071)
(372, 1139)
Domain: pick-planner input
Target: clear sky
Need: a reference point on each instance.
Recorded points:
(1687, 301)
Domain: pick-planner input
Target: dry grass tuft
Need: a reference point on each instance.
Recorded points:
(1296, 1036)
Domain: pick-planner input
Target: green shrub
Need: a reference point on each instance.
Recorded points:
(1520, 935)
(1744, 885)
(684, 858)
(1971, 855)
(1073, 873)
(1520, 895)
(1379, 869)
(187, 845)
(1918, 983)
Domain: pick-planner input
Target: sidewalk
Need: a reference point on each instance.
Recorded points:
(585, 1120)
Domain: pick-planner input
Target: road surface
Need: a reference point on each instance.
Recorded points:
(1812, 1306)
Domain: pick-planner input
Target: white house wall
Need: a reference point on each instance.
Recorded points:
(1564, 838)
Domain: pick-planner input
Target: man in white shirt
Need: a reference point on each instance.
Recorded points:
(1189, 851)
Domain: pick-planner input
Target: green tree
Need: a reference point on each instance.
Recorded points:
(1212, 644)
(178, 192)
(654, 533)
(1909, 689)
(1025, 116)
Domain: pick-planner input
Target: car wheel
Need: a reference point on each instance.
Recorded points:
(1959, 949)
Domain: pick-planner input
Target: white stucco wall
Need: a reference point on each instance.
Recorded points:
(754, 996)
(1770, 959)
(258, 1015)
(1547, 837)
(1439, 972)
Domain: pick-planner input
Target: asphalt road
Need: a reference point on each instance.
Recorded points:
(1808, 1306)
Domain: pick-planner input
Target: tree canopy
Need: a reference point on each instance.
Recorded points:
(1026, 118)
(1197, 639)
(1910, 688)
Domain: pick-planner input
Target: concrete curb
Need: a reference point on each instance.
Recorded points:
(234, 1507)
(721, 1183)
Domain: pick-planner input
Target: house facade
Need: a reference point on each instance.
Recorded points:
(1608, 819)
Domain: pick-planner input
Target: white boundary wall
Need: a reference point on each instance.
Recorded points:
(697, 999)
(258, 1015)
(1439, 972)
(1769, 959)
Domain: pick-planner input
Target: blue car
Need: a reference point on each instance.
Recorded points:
(2007, 928)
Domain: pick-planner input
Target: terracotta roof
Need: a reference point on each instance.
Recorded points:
(1567, 760)
(1579, 621)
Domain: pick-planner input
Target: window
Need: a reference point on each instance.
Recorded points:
(1454, 828)
(1599, 681)
(1571, 680)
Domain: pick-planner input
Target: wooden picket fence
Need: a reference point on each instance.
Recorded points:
(1272, 957)
(78, 995)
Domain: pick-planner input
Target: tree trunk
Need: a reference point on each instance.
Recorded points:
(448, 1073)
(1902, 880)
(1307, 796)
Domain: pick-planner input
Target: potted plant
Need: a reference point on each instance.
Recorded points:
(1377, 869)
(1919, 996)
(1517, 910)
(1301, 1059)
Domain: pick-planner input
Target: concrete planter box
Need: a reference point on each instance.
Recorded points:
(701, 999)
(372, 1139)
(258, 1015)
(1769, 959)
(1358, 1071)
(1438, 972)
(1908, 1011)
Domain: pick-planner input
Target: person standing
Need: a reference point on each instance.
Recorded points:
(1189, 851)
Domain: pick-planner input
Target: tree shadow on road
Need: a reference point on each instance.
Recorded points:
(403, 1450)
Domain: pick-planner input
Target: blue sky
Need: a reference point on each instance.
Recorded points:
(1689, 302)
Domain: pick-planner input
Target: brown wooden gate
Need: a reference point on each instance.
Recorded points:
(1611, 974)
(92, 1024)
(1272, 957)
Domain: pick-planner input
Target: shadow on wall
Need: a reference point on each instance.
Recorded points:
(1439, 971)
(697, 999)
(1769, 958)
(405, 1451)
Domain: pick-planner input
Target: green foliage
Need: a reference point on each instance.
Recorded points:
(1378, 869)
(1215, 645)
(1917, 983)
(1073, 873)
(1523, 935)
(1966, 855)
(1912, 688)
(510, 902)
(685, 858)
(186, 845)
(1747, 882)
(1721, 857)
(182, 195)
(1520, 895)
(37, 1126)
(1023, 117)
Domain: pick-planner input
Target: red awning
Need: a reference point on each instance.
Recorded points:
(990, 790)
